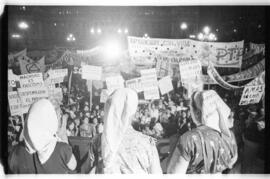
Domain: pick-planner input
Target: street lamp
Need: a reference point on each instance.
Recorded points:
(119, 31)
(183, 26)
(99, 31)
(92, 30)
(206, 30)
(23, 25)
(126, 30)
(16, 36)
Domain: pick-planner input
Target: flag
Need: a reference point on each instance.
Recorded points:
(27, 65)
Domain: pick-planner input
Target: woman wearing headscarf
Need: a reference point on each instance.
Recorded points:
(211, 146)
(125, 150)
(49, 155)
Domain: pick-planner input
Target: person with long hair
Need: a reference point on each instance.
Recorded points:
(125, 150)
(211, 146)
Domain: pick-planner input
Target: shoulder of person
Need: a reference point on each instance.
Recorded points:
(145, 138)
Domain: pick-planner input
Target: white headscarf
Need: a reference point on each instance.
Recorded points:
(214, 111)
(40, 129)
(119, 108)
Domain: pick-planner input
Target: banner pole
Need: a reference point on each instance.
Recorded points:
(69, 84)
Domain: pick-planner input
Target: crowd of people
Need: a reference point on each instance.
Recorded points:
(159, 119)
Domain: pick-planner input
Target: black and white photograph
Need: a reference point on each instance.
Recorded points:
(134, 89)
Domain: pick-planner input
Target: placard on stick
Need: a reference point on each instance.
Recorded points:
(252, 94)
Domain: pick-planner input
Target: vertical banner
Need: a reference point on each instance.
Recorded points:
(252, 94)
(165, 85)
(90, 72)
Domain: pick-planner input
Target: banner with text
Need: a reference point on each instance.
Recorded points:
(212, 72)
(149, 78)
(15, 105)
(190, 69)
(252, 94)
(31, 80)
(135, 84)
(90, 72)
(30, 95)
(146, 51)
(257, 48)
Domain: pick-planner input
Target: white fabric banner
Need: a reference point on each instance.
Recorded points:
(165, 85)
(31, 80)
(90, 72)
(252, 94)
(147, 51)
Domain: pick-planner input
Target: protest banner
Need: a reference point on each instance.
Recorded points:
(212, 72)
(190, 69)
(114, 82)
(56, 76)
(31, 80)
(257, 48)
(104, 95)
(169, 66)
(12, 78)
(145, 51)
(250, 73)
(252, 94)
(149, 78)
(135, 84)
(27, 65)
(90, 72)
(15, 105)
(259, 80)
(151, 93)
(165, 85)
(30, 95)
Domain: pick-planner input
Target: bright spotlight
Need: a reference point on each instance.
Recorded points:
(126, 30)
(192, 36)
(234, 30)
(200, 36)
(119, 31)
(206, 30)
(92, 30)
(183, 26)
(99, 31)
(112, 49)
(23, 25)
